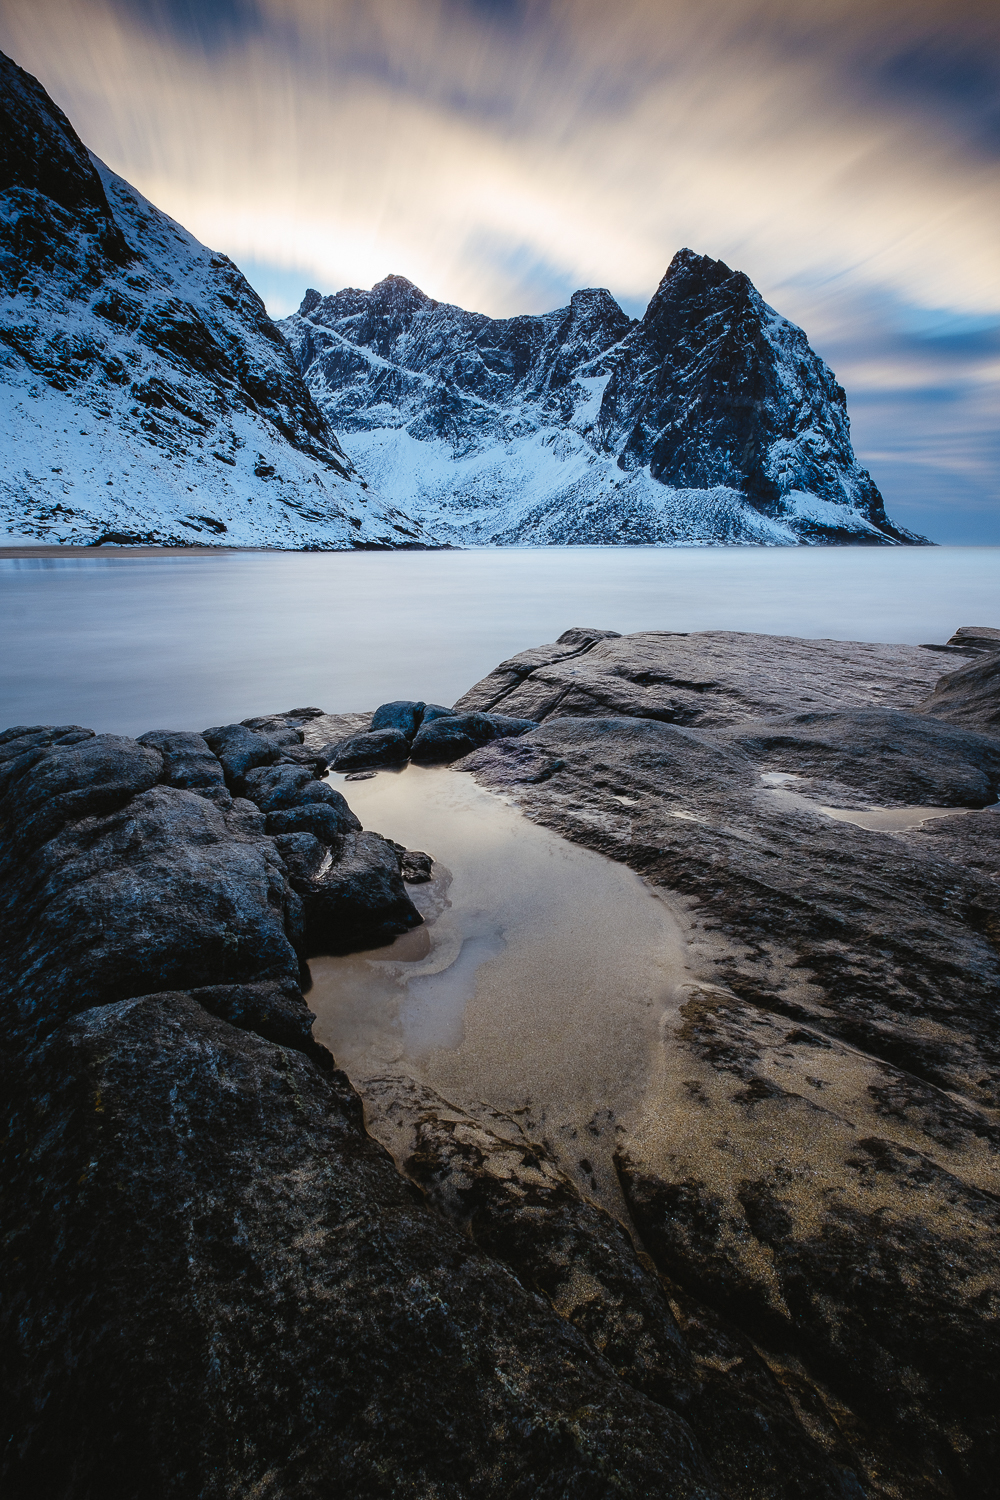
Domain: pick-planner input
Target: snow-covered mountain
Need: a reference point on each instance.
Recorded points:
(711, 420)
(144, 393)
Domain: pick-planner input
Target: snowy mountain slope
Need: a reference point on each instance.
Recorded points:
(711, 420)
(144, 393)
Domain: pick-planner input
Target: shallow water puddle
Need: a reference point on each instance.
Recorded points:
(537, 985)
(878, 819)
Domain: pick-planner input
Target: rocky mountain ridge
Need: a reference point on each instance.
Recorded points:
(710, 420)
(145, 395)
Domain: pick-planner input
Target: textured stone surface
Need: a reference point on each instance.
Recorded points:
(168, 891)
(447, 738)
(885, 756)
(975, 639)
(187, 760)
(49, 787)
(240, 749)
(376, 747)
(360, 901)
(217, 1285)
(483, 1174)
(403, 714)
(969, 696)
(818, 1165)
(707, 677)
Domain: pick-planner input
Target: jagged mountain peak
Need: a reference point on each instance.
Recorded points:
(695, 286)
(710, 419)
(144, 393)
(40, 152)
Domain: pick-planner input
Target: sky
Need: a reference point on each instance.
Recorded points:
(503, 153)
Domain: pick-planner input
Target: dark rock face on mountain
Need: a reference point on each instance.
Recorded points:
(144, 393)
(714, 389)
(710, 419)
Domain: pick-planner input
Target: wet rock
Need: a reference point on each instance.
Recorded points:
(976, 639)
(167, 890)
(212, 1272)
(876, 1303)
(969, 696)
(434, 711)
(616, 754)
(891, 757)
(329, 729)
(286, 731)
(380, 747)
(277, 786)
(446, 739)
(816, 1173)
(302, 715)
(274, 788)
(302, 755)
(325, 821)
(417, 867)
(705, 678)
(275, 723)
(403, 715)
(187, 760)
(273, 1009)
(22, 745)
(303, 855)
(507, 727)
(240, 750)
(52, 785)
(359, 902)
(505, 679)
(506, 1192)
(216, 1284)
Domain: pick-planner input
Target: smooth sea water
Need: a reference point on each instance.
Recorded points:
(123, 643)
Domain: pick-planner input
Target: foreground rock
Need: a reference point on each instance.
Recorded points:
(217, 1283)
(705, 678)
(820, 1167)
(970, 696)
(424, 732)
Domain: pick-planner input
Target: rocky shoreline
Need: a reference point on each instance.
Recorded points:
(218, 1283)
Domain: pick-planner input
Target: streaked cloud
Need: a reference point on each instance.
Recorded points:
(594, 139)
(845, 155)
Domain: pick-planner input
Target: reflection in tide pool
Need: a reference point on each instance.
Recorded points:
(538, 984)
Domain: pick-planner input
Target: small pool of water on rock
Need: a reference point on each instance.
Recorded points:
(878, 819)
(538, 984)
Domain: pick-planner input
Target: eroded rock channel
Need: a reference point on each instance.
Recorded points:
(770, 1011)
